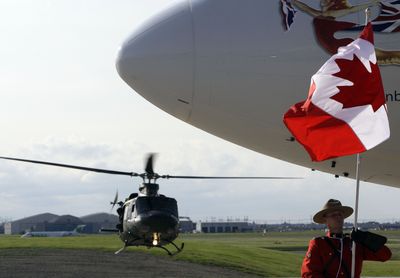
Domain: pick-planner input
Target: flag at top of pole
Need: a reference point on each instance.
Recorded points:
(345, 112)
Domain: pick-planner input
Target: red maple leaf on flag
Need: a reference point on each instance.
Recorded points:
(367, 86)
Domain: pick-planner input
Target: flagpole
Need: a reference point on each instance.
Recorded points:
(353, 249)
(357, 190)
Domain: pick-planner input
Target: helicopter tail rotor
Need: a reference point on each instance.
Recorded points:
(113, 203)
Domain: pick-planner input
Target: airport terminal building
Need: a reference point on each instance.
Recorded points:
(226, 227)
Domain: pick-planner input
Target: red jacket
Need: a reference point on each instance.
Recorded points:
(322, 260)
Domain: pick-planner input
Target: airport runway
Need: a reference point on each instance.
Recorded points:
(64, 263)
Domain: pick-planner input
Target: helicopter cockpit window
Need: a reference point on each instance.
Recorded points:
(129, 207)
(144, 204)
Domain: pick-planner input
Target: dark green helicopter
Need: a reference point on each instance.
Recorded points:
(146, 218)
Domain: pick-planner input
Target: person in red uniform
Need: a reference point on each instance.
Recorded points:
(331, 255)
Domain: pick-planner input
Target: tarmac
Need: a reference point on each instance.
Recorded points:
(62, 263)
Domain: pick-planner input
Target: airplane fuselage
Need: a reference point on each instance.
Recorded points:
(50, 234)
(230, 68)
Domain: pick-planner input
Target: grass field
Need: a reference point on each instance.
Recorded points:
(272, 255)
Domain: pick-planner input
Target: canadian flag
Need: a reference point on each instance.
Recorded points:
(345, 112)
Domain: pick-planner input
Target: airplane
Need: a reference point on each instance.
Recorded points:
(233, 68)
(75, 232)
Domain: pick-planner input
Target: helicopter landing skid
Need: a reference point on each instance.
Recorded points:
(178, 250)
(120, 250)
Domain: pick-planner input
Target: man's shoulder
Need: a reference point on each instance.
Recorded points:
(316, 241)
(326, 237)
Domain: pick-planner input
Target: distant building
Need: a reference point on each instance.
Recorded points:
(97, 221)
(31, 223)
(186, 225)
(225, 227)
(61, 223)
(7, 228)
(52, 222)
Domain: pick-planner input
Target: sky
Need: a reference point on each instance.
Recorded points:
(63, 101)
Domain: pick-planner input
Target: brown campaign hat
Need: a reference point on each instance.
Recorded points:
(330, 206)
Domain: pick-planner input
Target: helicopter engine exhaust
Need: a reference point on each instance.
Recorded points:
(155, 239)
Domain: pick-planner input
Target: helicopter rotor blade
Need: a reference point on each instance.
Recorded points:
(105, 171)
(149, 166)
(149, 171)
(237, 178)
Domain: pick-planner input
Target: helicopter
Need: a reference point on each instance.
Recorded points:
(146, 218)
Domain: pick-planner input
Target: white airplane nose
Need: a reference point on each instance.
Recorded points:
(157, 60)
